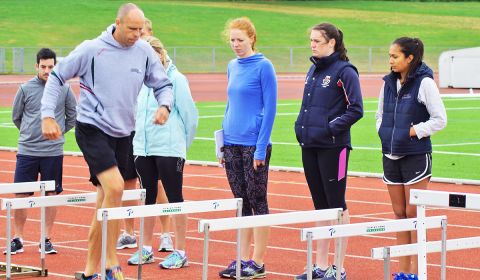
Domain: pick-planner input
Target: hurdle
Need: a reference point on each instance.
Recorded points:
(11, 188)
(209, 225)
(350, 230)
(50, 201)
(424, 198)
(154, 210)
(386, 253)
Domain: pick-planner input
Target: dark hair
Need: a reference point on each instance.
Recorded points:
(46, 53)
(330, 31)
(411, 46)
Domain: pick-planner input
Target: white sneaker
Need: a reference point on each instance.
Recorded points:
(126, 241)
(166, 243)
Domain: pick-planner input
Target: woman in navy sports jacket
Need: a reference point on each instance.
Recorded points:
(332, 103)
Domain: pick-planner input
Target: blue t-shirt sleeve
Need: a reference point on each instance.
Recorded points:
(268, 80)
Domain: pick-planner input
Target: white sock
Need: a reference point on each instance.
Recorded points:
(182, 253)
(148, 248)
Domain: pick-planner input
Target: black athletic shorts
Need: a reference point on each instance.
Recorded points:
(407, 170)
(130, 172)
(100, 150)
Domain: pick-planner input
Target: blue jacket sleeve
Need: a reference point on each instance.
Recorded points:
(350, 85)
(186, 107)
(268, 81)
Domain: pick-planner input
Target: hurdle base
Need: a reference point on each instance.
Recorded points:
(22, 270)
(78, 275)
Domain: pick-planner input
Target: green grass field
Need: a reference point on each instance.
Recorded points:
(456, 149)
(279, 23)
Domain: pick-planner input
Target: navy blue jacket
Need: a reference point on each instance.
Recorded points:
(401, 111)
(332, 103)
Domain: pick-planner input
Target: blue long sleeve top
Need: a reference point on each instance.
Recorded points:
(252, 103)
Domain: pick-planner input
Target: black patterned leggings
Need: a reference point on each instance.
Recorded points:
(246, 182)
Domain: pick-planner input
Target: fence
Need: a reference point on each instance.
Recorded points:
(21, 60)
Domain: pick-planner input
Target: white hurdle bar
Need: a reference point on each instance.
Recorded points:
(154, 210)
(349, 230)
(424, 198)
(12, 188)
(432, 247)
(238, 223)
(50, 201)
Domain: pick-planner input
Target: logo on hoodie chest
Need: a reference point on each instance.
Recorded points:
(326, 81)
(136, 70)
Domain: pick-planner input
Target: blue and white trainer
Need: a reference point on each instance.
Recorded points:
(331, 274)
(126, 241)
(174, 260)
(225, 273)
(251, 271)
(147, 257)
(317, 274)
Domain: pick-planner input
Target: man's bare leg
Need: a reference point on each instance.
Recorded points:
(108, 195)
(20, 217)
(50, 214)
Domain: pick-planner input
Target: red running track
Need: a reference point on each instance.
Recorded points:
(368, 200)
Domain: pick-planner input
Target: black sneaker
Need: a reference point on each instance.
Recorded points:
(251, 271)
(16, 246)
(231, 268)
(48, 247)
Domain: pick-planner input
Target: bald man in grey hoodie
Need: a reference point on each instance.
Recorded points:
(111, 69)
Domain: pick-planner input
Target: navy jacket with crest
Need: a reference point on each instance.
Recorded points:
(401, 111)
(332, 103)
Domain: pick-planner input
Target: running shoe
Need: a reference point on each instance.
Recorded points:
(331, 274)
(251, 271)
(174, 260)
(166, 243)
(115, 273)
(147, 257)
(317, 274)
(126, 241)
(48, 247)
(16, 246)
(231, 268)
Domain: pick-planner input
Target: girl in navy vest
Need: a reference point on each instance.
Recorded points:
(247, 126)
(409, 111)
(332, 103)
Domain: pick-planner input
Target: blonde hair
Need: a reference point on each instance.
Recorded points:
(158, 47)
(148, 25)
(244, 24)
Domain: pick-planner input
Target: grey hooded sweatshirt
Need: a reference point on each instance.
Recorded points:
(26, 117)
(111, 77)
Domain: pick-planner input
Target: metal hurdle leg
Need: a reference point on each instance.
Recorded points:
(42, 233)
(422, 243)
(205, 252)
(140, 239)
(309, 255)
(239, 255)
(338, 248)
(386, 263)
(9, 237)
(443, 260)
(140, 248)
(104, 244)
(238, 267)
(18, 270)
